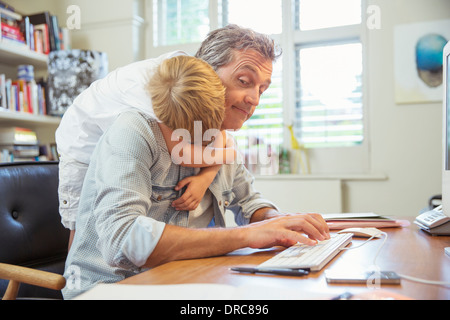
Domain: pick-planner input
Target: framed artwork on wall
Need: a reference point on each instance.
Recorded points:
(418, 61)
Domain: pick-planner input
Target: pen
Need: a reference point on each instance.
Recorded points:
(282, 272)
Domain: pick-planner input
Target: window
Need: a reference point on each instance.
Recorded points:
(179, 21)
(260, 15)
(320, 14)
(329, 96)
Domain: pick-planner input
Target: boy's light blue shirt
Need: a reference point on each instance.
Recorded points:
(126, 203)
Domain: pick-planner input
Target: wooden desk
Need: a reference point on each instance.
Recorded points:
(408, 251)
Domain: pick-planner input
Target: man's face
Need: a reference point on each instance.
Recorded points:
(245, 79)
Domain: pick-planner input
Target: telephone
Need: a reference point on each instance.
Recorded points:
(435, 222)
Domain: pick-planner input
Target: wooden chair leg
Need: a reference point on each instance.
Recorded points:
(12, 290)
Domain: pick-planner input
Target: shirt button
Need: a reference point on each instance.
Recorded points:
(220, 203)
(159, 198)
(226, 203)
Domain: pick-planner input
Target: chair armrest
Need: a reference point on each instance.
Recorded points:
(30, 276)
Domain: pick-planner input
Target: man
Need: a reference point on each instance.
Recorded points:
(126, 223)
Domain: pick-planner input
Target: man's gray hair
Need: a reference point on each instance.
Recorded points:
(219, 46)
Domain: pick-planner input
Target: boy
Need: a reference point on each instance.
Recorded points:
(188, 95)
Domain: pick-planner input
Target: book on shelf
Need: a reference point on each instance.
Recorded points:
(18, 144)
(10, 25)
(12, 32)
(21, 151)
(41, 38)
(21, 144)
(38, 32)
(52, 35)
(23, 96)
(39, 19)
(17, 136)
(48, 152)
(3, 97)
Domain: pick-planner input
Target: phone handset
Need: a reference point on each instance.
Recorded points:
(432, 219)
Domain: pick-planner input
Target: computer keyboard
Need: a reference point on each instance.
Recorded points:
(314, 258)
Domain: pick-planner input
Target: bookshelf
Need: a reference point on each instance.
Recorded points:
(11, 56)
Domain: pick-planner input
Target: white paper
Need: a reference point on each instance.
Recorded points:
(196, 292)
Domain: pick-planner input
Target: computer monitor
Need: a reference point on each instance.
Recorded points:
(446, 133)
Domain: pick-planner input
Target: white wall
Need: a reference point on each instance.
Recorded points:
(405, 140)
(114, 27)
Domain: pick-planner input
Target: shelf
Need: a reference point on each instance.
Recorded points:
(25, 119)
(14, 55)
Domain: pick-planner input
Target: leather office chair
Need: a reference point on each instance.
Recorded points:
(33, 242)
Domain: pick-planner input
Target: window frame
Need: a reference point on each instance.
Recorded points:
(330, 160)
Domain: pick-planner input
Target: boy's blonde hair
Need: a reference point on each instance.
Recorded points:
(186, 89)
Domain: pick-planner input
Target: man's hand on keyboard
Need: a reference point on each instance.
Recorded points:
(287, 229)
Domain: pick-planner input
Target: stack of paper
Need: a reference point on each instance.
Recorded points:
(338, 221)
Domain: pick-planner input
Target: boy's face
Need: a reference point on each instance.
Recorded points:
(245, 79)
